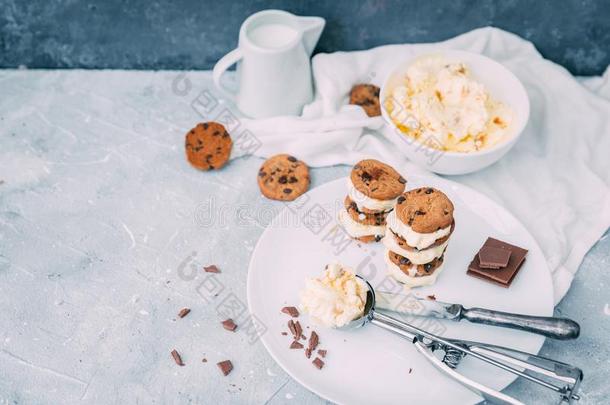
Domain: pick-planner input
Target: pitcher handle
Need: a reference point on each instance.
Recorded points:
(221, 66)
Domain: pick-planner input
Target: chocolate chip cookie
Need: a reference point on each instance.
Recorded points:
(283, 177)
(366, 96)
(364, 218)
(377, 180)
(406, 266)
(425, 209)
(208, 146)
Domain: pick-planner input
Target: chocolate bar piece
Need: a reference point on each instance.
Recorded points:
(504, 276)
(493, 257)
(318, 363)
(228, 324)
(225, 367)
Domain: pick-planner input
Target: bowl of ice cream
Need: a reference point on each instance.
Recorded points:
(453, 112)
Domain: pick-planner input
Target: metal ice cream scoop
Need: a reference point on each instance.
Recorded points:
(556, 328)
(554, 375)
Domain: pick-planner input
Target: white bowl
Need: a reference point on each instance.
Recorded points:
(503, 86)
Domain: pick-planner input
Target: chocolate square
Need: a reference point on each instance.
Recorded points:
(503, 276)
(493, 258)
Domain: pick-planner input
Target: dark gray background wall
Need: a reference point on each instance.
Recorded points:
(193, 34)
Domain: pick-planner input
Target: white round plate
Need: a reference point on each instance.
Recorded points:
(370, 365)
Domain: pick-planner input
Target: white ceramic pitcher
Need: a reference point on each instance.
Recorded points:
(273, 63)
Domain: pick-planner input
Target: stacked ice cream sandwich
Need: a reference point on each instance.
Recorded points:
(373, 188)
(417, 235)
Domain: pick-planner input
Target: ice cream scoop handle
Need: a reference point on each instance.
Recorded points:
(556, 328)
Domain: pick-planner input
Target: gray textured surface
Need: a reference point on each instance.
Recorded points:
(193, 34)
(99, 216)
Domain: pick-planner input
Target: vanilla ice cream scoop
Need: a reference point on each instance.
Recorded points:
(335, 298)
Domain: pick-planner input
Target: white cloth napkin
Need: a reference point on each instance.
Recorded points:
(556, 179)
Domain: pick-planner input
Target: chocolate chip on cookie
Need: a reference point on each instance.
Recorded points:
(366, 96)
(283, 177)
(377, 180)
(425, 210)
(208, 146)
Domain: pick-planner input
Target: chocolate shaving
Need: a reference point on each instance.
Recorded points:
(308, 353)
(184, 312)
(211, 269)
(204, 360)
(318, 363)
(225, 367)
(314, 339)
(292, 328)
(298, 330)
(296, 345)
(284, 333)
(295, 328)
(228, 324)
(292, 311)
(431, 297)
(177, 358)
(322, 353)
